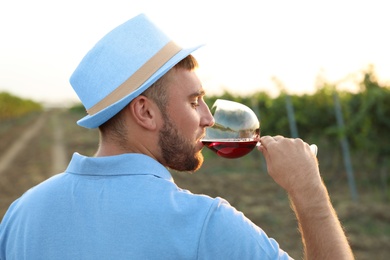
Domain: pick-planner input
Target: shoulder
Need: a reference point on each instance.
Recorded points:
(228, 232)
(46, 188)
(42, 193)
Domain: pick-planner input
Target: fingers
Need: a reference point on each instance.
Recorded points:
(290, 162)
(267, 140)
(277, 143)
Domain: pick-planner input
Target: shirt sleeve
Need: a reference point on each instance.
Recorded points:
(228, 234)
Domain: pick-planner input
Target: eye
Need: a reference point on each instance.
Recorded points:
(195, 103)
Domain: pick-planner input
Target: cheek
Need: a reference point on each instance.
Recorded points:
(189, 123)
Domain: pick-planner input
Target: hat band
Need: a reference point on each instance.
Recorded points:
(138, 78)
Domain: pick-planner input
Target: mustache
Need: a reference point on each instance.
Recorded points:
(202, 135)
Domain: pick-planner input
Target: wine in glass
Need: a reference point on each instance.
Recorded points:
(236, 130)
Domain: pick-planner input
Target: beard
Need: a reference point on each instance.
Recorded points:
(178, 153)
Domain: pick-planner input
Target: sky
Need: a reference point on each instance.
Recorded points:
(247, 43)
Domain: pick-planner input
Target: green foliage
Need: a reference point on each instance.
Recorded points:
(12, 106)
(366, 113)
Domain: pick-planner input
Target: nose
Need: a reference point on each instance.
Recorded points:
(207, 119)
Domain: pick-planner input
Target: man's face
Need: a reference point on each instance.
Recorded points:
(185, 120)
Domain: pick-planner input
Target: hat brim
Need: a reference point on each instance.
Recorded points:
(95, 120)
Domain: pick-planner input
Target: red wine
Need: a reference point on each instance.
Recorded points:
(230, 148)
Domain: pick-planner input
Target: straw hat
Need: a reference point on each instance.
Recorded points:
(122, 65)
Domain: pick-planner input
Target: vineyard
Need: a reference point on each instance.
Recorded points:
(362, 134)
(362, 131)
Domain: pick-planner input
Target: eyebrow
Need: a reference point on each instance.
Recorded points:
(199, 93)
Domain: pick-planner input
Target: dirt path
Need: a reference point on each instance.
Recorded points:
(59, 159)
(8, 157)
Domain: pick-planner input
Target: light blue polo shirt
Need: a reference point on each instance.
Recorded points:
(126, 207)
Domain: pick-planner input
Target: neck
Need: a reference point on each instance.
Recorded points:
(111, 147)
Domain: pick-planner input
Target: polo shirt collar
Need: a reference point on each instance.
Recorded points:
(124, 164)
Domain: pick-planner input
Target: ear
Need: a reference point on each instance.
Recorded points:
(145, 112)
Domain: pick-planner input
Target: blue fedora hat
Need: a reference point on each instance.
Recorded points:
(123, 64)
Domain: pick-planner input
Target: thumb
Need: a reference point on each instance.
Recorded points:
(264, 142)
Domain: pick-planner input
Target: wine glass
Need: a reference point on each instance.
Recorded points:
(236, 130)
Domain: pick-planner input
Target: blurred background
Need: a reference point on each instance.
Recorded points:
(317, 70)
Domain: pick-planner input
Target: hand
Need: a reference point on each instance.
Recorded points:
(291, 163)
(294, 167)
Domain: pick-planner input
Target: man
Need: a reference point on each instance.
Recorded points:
(141, 91)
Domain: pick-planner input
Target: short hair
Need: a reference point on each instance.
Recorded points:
(155, 92)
